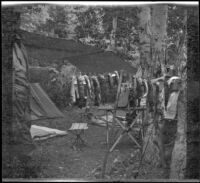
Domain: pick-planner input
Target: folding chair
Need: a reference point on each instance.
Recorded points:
(126, 126)
(127, 129)
(121, 122)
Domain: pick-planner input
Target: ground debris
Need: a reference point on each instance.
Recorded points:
(126, 167)
(96, 172)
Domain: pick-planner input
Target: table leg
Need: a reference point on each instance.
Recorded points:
(107, 129)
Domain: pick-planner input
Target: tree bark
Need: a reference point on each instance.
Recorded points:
(113, 33)
(193, 91)
(159, 35)
(147, 65)
(178, 156)
(152, 57)
(145, 40)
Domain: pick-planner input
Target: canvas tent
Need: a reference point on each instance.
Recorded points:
(41, 105)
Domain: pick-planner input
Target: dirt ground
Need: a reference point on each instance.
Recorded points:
(57, 159)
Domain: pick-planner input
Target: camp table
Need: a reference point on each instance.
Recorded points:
(77, 129)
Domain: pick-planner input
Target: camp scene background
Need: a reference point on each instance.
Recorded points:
(64, 67)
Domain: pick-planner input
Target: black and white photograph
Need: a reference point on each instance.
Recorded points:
(100, 91)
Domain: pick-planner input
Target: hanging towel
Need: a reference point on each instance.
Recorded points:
(124, 95)
(171, 110)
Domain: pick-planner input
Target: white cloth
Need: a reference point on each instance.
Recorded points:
(88, 84)
(117, 74)
(82, 79)
(74, 89)
(41, 132)
(146, 86)
(171, 110)
(172, 79)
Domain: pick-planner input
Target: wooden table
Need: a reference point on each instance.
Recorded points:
(77, 129)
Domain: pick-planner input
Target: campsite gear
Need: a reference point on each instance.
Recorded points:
(124, 95)
(139, 88)
(173, 87)
(97, 90)
(132, 98)
(20, 122)
(110, 79)
(92, 87)
(174, 83)
(171, 110)
(143, 99)
(89, 92)
(107, 109)
(41, 105)
(82, 88)
(171, 79)
(42, 133)
(102, 82)
(108, 89)
(81, 83)
(74, 89)
(115, 79)
(102, 120)
(117, 74)
(145, 88)
(87, 58)
(77, 129)
(126, 126)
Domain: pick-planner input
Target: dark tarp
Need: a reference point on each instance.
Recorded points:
(86, 58)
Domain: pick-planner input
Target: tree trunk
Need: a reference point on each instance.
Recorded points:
(185, 161)
(153, 137)
(146, 63)
(178, 156)
(159, 36)
(193, 91)
(113, 33)
(145, 40)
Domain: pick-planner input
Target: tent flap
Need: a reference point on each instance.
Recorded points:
(41, 105)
